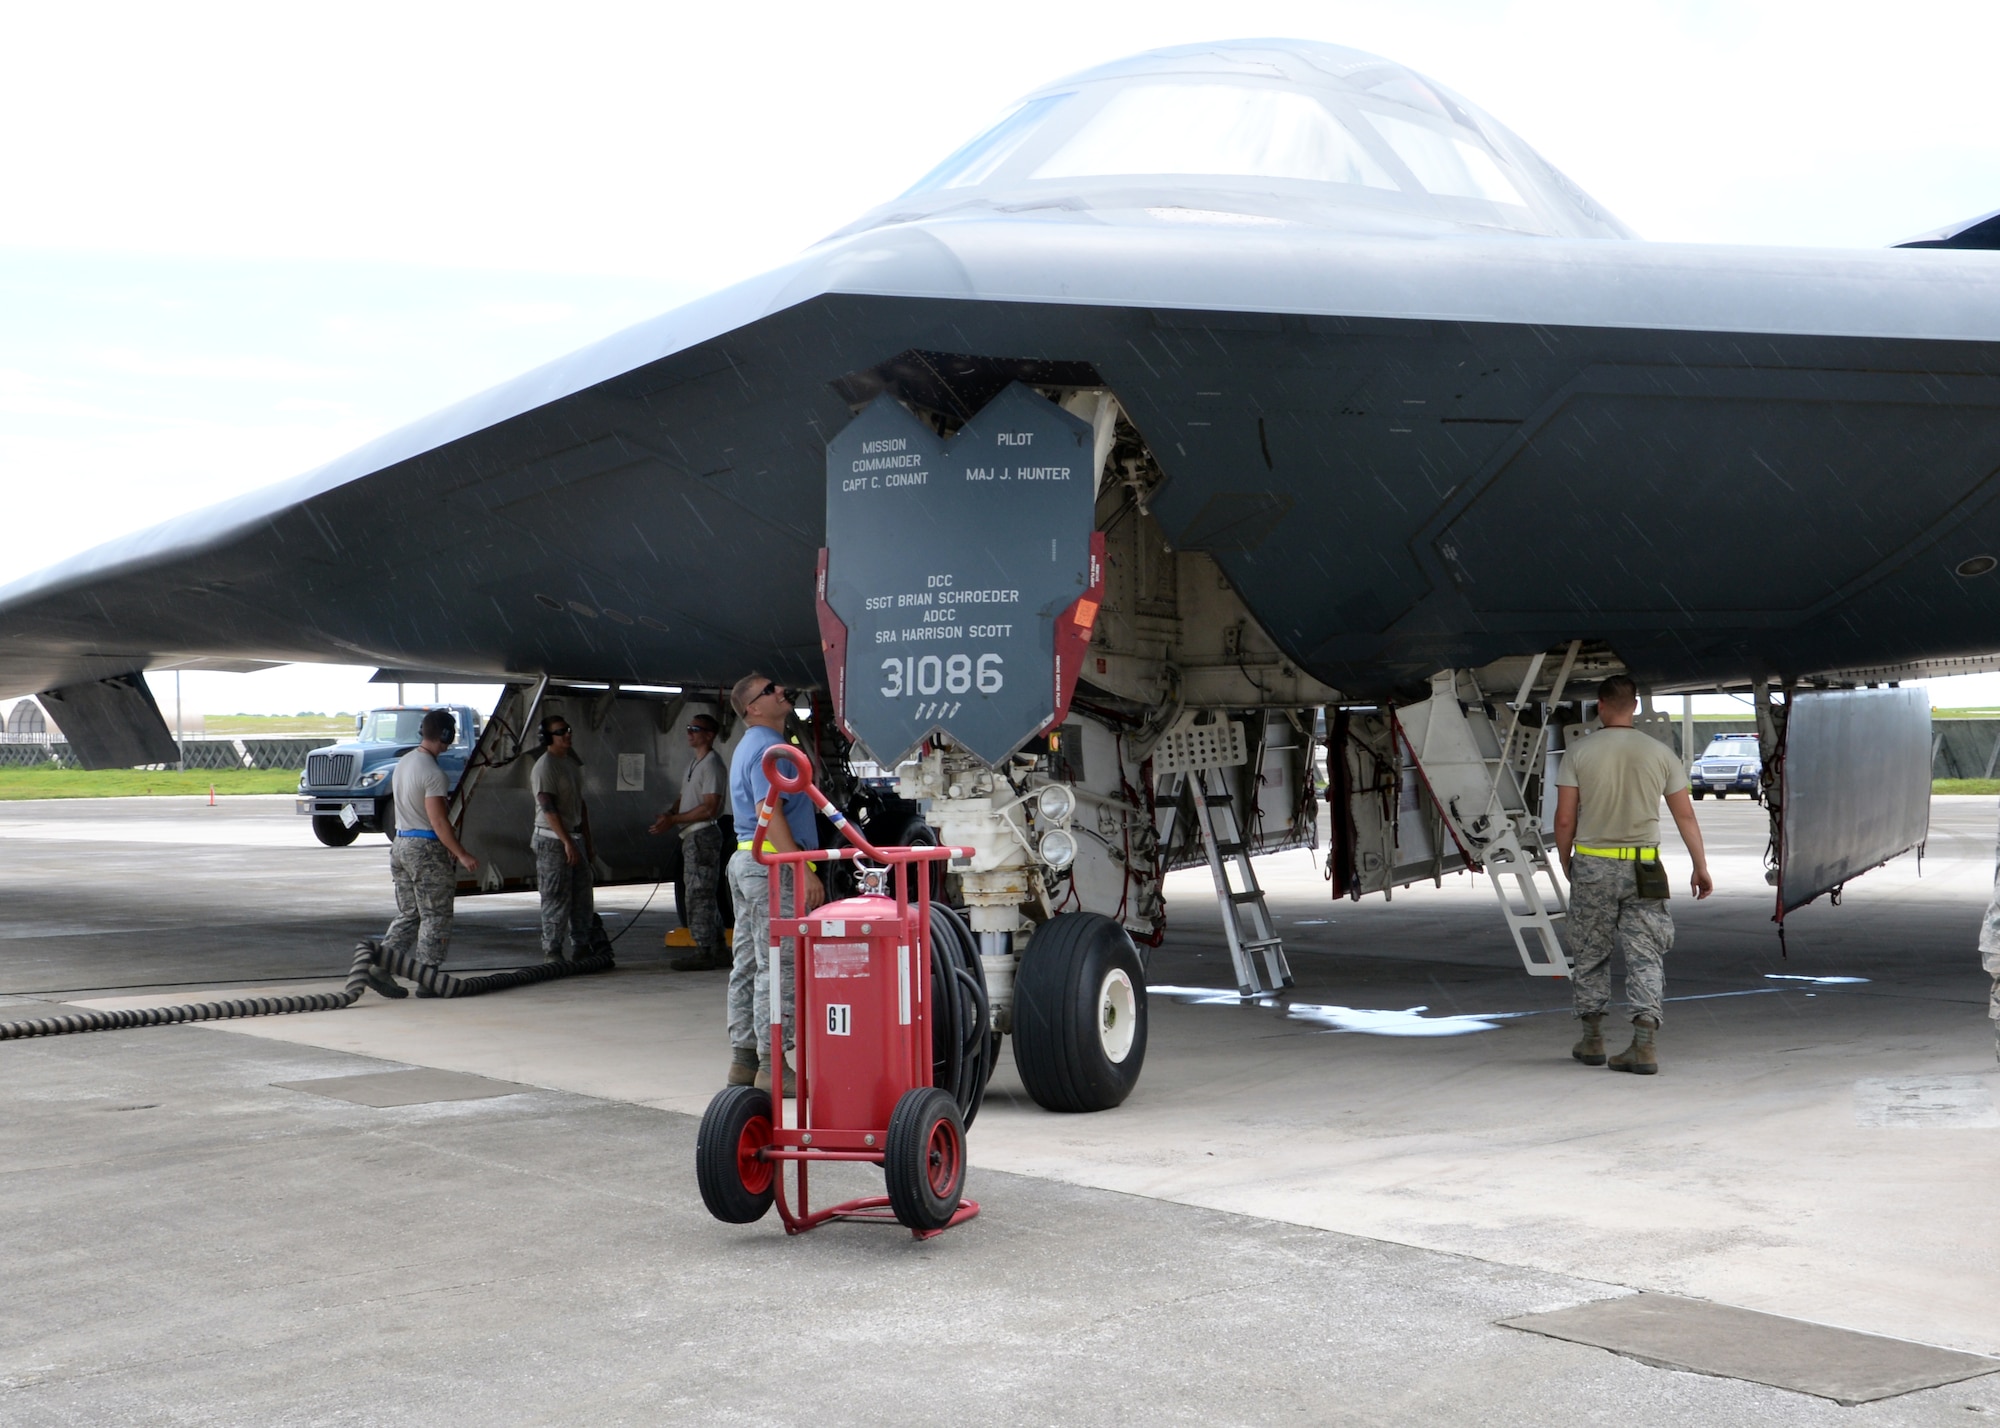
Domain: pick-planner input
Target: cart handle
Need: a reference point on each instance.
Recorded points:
(798, 779)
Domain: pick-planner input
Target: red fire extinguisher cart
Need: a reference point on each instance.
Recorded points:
(862, 973)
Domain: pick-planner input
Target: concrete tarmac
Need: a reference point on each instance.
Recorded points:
(1314, 1210)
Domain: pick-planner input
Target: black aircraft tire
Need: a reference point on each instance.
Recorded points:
(916, 833)
(923, 1158)
(1080, 1014)
(332, 832)
(736, 1186)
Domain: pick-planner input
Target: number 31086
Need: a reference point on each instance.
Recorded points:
(934, 674)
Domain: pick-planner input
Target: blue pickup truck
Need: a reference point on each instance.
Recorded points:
(345, 789)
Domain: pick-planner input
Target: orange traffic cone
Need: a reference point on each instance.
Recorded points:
(211, 795)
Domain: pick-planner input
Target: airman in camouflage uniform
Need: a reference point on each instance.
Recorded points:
(571, 928)
(1608, 794)
(704, 848)
(421, 864)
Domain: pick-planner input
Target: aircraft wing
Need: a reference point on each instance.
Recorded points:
(1405, 454)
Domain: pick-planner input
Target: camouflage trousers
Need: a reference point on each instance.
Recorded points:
(569, 900)
(1989, 943)
(1606, 913)
(426, 881)
(750, 966)
(704, 854)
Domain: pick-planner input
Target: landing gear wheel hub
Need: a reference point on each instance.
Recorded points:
(1117, 1015)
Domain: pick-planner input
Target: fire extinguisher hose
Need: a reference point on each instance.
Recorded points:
(962, 1041)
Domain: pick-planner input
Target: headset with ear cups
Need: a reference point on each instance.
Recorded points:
(438, 724)
(546, 737)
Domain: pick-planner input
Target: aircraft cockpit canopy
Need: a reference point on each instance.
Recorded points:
(1257, 132)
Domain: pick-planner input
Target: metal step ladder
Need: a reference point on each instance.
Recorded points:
(1246, 921)
(1531, 915)
(1519, 852)
(1476, 774)
(1197, 753)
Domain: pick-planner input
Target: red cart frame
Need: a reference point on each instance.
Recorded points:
(795, 1143)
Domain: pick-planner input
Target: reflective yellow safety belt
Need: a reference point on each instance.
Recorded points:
(743, 846)
(1623, 855)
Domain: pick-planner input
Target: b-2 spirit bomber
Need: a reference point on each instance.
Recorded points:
(1228, 429)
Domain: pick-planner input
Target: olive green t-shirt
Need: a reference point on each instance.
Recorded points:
(1620, 775)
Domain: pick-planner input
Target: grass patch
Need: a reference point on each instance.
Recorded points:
(1965, 785)
(47, 782)
(277, 726)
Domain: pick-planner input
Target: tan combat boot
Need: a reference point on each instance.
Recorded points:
(742, 1066)
(1590, 1050)
(1638, 1058)
(783, 1089)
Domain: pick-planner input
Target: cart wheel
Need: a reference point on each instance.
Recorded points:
(332, 832)
(736, 1185)
(923, 1159)
(1080, 1014)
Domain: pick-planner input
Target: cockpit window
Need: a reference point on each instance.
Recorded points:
(976, 162)
(1444, 164)
(1215, 129)
(1408, 89)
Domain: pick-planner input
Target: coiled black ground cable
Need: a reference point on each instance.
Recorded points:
(440, 983)
(368, 955)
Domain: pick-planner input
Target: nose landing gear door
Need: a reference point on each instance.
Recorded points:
(961, 578)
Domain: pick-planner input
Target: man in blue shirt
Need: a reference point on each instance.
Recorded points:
(763, 705)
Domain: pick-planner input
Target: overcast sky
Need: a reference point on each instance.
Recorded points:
(238, 241)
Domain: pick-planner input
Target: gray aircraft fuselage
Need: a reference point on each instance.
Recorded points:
(1415, 429)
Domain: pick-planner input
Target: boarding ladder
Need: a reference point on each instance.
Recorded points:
(1477, 774)
(1246, 921)
(1201, 752)
(1524, 856)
